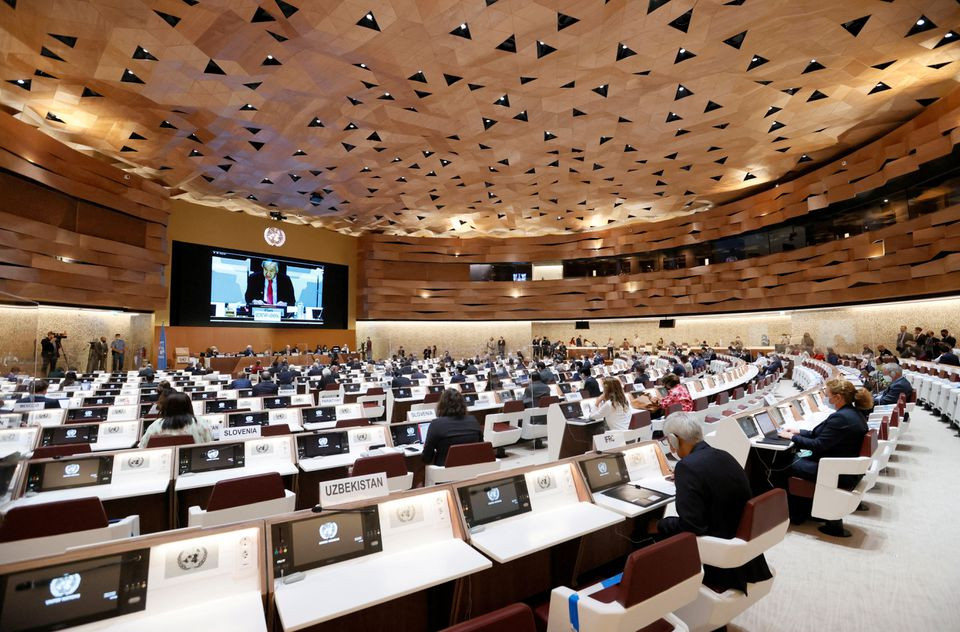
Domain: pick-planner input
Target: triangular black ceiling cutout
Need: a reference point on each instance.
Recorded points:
(682, 23)
(711, 106)
(126, 148)
(736, 41)
(213, 69)
(462, 31)
(624, 51)
(277, 36)
(136, 136)
(601, 90)
(880, 87)
(286, 8)
(544, 49)
(682, 92)
(921, 24)
(653, 5)
(524, 80)
(451, 79)
(369, 21)
(816, 96)
(172, 20)
(509, 45)
(855, 26)
(948, 38)
(682, 55)
(69, 40)
(261, 15)
(46, 52)
(755, 61)
(87, 92)
(563, 21)
(813, 66)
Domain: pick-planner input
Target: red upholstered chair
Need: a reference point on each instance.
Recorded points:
(672, 408)
(392, 464)
(244, 498)
(58, 451)
(375, 390)
(169, 440)
(640, 599)
(546, 400)
(41, 529)
(640, 428)
(512, 406)
(465, 460)
(431, 398)
(352, 423)
(274, 430)
(332, 387)
(515, 618)
(722, 398)
(763, 524)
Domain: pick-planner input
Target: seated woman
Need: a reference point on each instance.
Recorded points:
(452, 426)
(839, 436)
(613, 407)
(163, 389)
(677, 393)
(178, 419)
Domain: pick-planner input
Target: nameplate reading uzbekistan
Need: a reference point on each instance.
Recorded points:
(345, 490)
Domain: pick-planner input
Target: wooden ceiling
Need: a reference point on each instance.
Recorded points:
(483, 117)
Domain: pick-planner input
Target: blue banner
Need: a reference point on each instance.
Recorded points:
(162, 349)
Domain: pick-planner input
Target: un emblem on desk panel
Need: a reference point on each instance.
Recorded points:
(545, 482)
(493, 494)
(190, 560)
(65, 585)
(328, 531)
(213, 455)
(135, 462)
(114, 429)
(362, 437)
(263, 448)
(406, 513)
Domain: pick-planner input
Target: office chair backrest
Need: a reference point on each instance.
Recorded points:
(392, 464)
(869, 444)
(762, 513)
(273, 430)
(546, 400)
(470, 453)
(640, 419)
(54, 451)
(169, 440)
(46, 519)
(676, 559)
(431, 398)
(513, 406)
(245, 490)
(515, 618)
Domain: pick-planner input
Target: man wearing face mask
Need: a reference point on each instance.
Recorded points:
(712, 490)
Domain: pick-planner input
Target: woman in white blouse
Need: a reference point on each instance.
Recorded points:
(612, 406)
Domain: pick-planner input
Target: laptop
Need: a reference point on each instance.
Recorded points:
(769, 429)
(607, 475)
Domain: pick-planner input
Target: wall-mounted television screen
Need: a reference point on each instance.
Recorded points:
(215, 287)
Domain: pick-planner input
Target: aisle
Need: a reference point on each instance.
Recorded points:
(901, 568)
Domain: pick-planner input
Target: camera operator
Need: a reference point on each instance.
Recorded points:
(49, 353)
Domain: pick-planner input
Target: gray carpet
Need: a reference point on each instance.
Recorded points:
(899, 571)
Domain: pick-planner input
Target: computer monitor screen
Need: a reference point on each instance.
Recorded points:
(402, 392)
(746, 424)
(86, 414)
(317, 415)
(351, 388)
(69, 595)
(435, 388)
(98, 401)
(244, 392)
(238, 420)
(324, 539)
(818, 398)
(765, 422)
(66, 474)
(220, 405)
(496, 500)
(73, 433)
(470, 398)
(322, 444)
(276, 402)
(804, 406)
(406, 434)
(571, 410)
(207, 458)
(604, 472)
(505, 396)
(201, 396)
(468, 387)
(566, 387)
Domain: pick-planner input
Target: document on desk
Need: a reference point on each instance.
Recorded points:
(658, 484)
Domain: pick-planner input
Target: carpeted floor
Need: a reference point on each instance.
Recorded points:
(900, 570)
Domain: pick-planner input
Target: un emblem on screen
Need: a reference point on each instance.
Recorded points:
(71, 433)
(212, 455)
(323, 442)
(191, 559)
(411, 431)
(493, 494)
(328, 530)
(71, 470)
(65, 585)
(602, 467)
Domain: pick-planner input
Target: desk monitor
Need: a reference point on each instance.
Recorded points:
(148, 397)
(811, 403)
(496, 500)
(239, 420)
(505, 396)
(571, 410)
(818, 399)
(322, 444)
(468, 387)
(435, 388)
(69, 473)
(201, 396)
(193, 389)
(402, 392)
(207, 458)
(765, 422)
(325, 539)
(86, 414)
(219, 406)
(276, 402)
(318, 415)
(538, 420)
(470, 398)
(351, 388)
(803, 406)
(71, 594)
(73, 433)
(244, 392)
(98, 401)
(604, 472)
(407, 434)
(436, 380)
(566, 387)
(746, 424)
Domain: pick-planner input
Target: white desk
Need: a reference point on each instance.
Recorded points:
(339, 589)
(629, 509)
(535, 531)
(240, 613)
(208, 479)
(103, 492)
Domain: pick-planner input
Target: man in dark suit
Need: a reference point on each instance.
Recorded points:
(458, 377)
(947, 356)
(315, 369)
(536, 390)
(898, 385)
(286, 376)
(903, 338)
(241, 381)
(774, 365)
(39, 396)
(417, 374)
(329, 377)
(546, 375)
(49, 353)
(147, 373)
(712, 490)
(265, 387)
(400, 380)
(947, 339)
(589, 382)
(471, 368)
(269, 287)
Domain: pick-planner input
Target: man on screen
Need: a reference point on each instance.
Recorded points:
(269, 287)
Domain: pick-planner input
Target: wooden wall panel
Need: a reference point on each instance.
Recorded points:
(98, 238)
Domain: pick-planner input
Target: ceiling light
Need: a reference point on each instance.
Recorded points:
(813, 61)
(369, 16)
(921, 22)
(363, 65)
(463, 25)
(269, 56)
(886, 201)
(754, 59)
(682, 50)
(21, 81)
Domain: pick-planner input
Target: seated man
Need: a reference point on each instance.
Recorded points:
(712, 490)
(898, 385)
(40, 396)
(536, 390)
(240, 381)
(265, 387)
(589, 382)
(400, 380)
(774, 365)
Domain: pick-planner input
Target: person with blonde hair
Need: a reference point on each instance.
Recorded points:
(840, 435)
(613, 407)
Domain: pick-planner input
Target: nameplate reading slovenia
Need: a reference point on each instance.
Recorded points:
(346, 490)
(240, 432)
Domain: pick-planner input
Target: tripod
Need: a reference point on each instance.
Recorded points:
(63, 352)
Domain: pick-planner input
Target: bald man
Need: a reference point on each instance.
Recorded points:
(269, 286)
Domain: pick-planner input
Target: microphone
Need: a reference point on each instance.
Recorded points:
(362, 510)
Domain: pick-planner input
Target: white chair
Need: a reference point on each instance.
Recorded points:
(464, 461)
(244, 498)
(503, 429)
(30, 531)
(763, 524)
(536, 432)
(640, 598)
(725, 434)
(374, 406)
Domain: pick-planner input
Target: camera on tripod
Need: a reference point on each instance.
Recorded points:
(59, 336)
